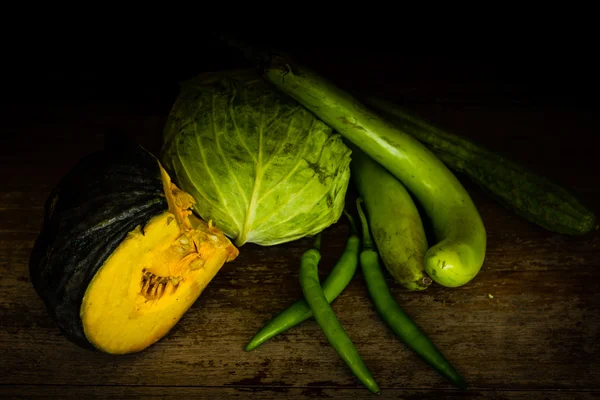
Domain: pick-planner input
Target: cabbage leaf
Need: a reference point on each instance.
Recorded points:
(260, 166)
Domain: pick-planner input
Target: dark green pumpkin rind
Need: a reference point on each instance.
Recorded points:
(517, 188)
(90, 212)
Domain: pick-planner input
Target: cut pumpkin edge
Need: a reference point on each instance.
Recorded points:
(153, 277)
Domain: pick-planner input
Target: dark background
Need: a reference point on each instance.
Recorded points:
(549, 63)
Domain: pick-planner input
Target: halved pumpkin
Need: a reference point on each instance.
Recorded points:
(120, 257)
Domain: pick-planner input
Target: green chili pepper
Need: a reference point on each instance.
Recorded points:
(336, 282)
(325, 317)
(393, 315)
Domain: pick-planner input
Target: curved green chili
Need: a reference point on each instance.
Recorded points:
(339, 277)
(325, 317)
(393, 315)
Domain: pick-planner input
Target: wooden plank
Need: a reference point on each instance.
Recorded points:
(538, 331)
(173, 392)
(21, 220)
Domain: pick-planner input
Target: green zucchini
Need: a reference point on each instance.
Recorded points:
(397, 228)
(527, 194)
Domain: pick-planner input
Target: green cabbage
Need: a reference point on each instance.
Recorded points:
(262, 167)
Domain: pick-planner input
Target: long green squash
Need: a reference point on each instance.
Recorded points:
(527, 194)
(397, 227)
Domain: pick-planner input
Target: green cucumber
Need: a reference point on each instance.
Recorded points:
(520, 190)
(397, 228)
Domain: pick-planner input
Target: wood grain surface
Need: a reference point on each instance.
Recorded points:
(527, 327)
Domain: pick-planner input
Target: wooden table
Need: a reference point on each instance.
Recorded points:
(526, 328)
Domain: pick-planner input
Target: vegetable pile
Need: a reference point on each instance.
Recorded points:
(130, 239)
